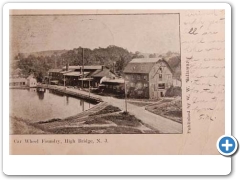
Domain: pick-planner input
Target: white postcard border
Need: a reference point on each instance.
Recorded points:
(114, 165)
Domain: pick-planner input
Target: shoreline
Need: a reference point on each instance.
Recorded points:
(104, 119)
(71, 93)
(160, 123)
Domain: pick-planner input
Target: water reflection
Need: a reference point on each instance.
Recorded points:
(82, 104)
(56, 92)
(36, 105)
(40, 95)
(67, 100)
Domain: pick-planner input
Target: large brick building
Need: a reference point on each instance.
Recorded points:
(147, 78)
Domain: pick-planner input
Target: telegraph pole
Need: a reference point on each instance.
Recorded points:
(64, 80)
(125, 92)
(89, 87)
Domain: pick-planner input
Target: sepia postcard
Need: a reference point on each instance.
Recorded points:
(111, 82)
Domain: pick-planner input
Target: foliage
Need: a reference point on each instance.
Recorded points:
(36, 65)
(173, 91)
(137, 54)
(113, 57)
(175, 63)
(152, 55)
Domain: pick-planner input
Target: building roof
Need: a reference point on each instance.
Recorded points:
(17, 80)
(145, 60)
(55, 70)
(143, 65)
(138, 67)
(114, 81)
(30, 76)
(85, 67)
(64, 72)
(104, 72)
(167, 65)
(74, 73)
(94, 72)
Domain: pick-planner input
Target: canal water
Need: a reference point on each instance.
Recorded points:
(29, 104)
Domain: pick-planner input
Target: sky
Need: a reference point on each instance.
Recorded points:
(156, 33)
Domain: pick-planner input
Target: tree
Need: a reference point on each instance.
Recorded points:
(39, 65)
(169, 53)
(153, 55)
(137, 54)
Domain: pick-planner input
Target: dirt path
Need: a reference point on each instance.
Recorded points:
(163, 125)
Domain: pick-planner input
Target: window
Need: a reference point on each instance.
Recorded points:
(138, 77)
(145, 84)
(168, 76)
(160, 76)
(139, 92)
(145, 77)
(161, 86)
(132, 77)
(132, 84)
(139, 85)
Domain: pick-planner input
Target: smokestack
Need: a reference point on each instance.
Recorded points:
(82, 62)
(67, 66)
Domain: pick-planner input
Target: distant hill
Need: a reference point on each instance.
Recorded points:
(113, 57)
(45, 53)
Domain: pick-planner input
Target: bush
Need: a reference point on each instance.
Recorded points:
(173, 91)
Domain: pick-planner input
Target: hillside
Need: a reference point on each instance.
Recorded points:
(113, 57)
(45, 53)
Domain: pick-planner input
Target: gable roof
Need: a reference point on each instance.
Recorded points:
(141, 65)
(167, 65)
(30, 76)
(138, 68)
(11, 80)
(104, 72)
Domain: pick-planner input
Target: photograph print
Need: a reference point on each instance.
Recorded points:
(95, 74)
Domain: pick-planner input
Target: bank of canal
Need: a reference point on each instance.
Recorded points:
(34, 106)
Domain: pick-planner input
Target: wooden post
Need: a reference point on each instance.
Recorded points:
(89, 87)
(64, 80)
(49, 79)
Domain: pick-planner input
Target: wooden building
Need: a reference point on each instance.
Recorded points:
(17, 82)
(31, 81)
(54, 76)
(147, 78)
(112, 86)
(79, 76)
